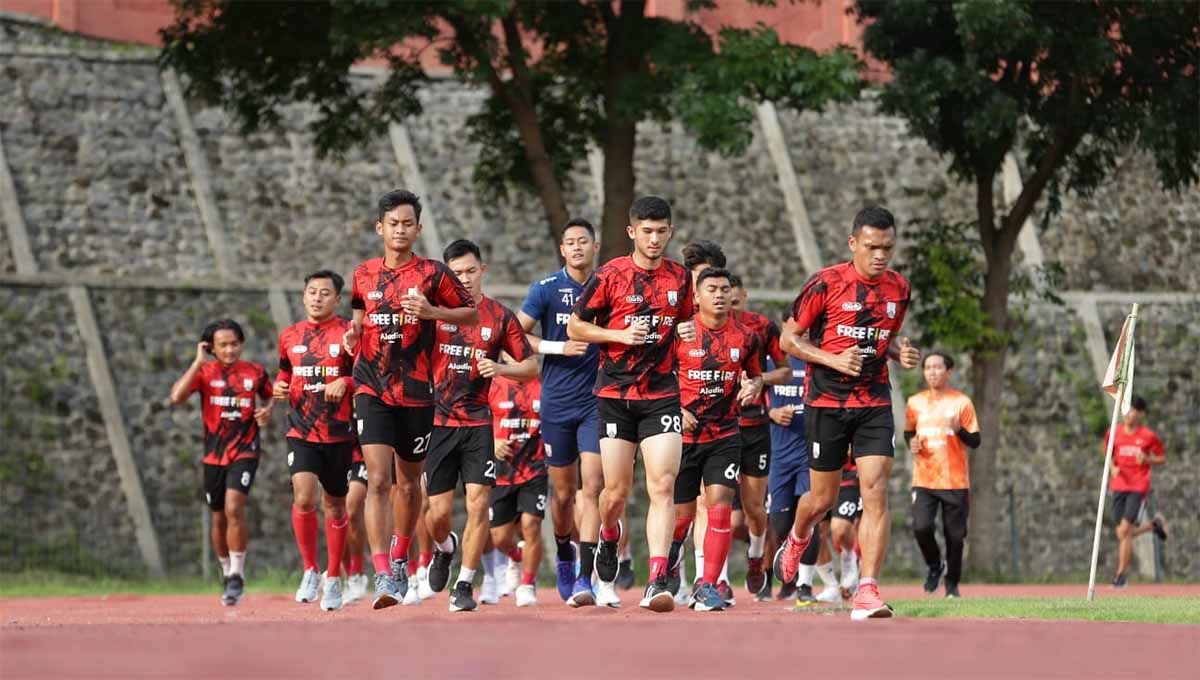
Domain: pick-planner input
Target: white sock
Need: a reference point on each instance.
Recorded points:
(825, 571)
(724, 571)
(756, 546)
(465, 574)
(445, 545)
(627, 553)
(849, 561)
(699, 561)
(489, 562)
(224, 565)
(683, 579)
(804, 576)
(237, 562)
(421, 572)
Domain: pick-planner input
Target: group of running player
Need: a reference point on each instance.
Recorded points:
(782, 435)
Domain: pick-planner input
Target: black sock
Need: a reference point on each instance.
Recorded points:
(673, 554)
(587, 558)
(563, 547)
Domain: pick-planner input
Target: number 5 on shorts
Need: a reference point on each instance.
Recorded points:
(671, 424)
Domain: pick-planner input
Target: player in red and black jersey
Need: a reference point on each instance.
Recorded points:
(314, 379)
(228, 388)
(465, 360)
(844, 324)
(711, 370)
(521, 484)
(633, 307)
(396, 300)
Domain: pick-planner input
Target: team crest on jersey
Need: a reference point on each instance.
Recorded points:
(248, 384)
(485, 333)
(334, 349)
(672, 297)
(610, 429)
(735, 354)
(891, 310)
(537, 405)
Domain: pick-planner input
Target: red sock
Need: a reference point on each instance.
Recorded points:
(335, 543)
(527, 578)
(658, 567)
(400, 546)
(682, 524)
(413, 567)
(610, 533)
(381, 563)
(716, 541)
(425, 558)
(356, 564)
(515, 555)
(305, 526)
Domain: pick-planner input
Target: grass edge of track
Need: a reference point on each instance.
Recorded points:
(1147, 609)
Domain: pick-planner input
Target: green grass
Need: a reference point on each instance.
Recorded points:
(1135, 609)
(55, 584)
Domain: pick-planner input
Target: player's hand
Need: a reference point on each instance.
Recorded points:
(335, 390)
(914, 445)
(635, 334)
(782, 415)
(280, 390)
(848, 362)
(910, 356)
(689, 420)
(350, 337)
(686, 331)
(262, 414)
(751, 389)
(574, 348)
(1140, 457)
(502, 449)
(487, 367)
(415, 304)
(202, 349)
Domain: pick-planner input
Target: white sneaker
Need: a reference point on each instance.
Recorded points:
(526, 596)
(489, 592)
(512, 575)
(331, 597)
(411, 596)
(606, 594)
(309, 584)
(830, 594)
(356, 588)
(424, 590)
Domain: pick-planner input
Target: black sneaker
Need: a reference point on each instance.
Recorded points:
(439, 568)
(625, 575)
(1160, 527)
(952, 590)
(786, 591)
(764, 594)
(1120, 581)
(804, 596)
(934, 577)
(658, 598)
(673, 562)
(607, 561)
(235, 587)
(461, 599)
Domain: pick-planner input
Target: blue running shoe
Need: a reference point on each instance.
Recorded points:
(582, 596)
(565, 574)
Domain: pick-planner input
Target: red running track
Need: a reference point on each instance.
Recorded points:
(270, 636)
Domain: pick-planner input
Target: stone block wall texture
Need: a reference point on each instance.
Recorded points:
(101, 178)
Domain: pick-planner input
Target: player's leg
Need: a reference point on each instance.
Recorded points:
(719, 465)
(661, 457)
(414, 430)
(873, 532)
(617, 458)
(531, 501)
(333, 478)
(810, 511)
(473, 541)
(1126, 507)
(687, 488)
(442, 473)
(924, 515)
(214, 498)
(378, 436)
(955, 511)
(356, 534)
(699, 531)
(591, 475)
(756, 462)
(239, 477)
(562, 465)
(304, 462)
(502, 520)
(478, 473)
(424, 547)
(844, 540)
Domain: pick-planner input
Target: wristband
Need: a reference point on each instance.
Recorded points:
(551, 347)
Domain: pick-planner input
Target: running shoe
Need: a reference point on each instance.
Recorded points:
(439, 568)
(952, 590)
(934, 577)
(607, 562)
(869, 605)
(804, 597)
(1160, 527)
(625, 575)
(564, 573)
(756, 578)
(310, 582)
(385, 592)
(461, 599)
(235, 587)
(787, 558)
(581, 594)
(331, 593)
(706, 598)
(657, 597)
(526, 596)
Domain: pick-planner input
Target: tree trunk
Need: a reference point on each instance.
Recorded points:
(542, 169)
(624, 55)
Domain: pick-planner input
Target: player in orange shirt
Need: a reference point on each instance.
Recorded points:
(939, 425)
(1135, 450)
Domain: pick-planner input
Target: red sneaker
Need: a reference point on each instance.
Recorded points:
(787, 558)
(755, 577)
(868, 604)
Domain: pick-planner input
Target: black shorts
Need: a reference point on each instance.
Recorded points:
(238, 475)
(460, 452)
(404, 428)
(832, 431)
(714, 462)
(329, 462)
(849, 503)
(756, 450)
(509, 501)
(358, 472)
(1127, 505)
(635, 420)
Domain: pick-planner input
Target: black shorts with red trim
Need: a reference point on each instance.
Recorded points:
(832, 431)
(715, 462)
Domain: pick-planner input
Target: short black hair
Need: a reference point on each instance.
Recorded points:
(703, 252)
(394, 199)
(459, 248)
(579, 222)
(650, 208)
(873, 216)
(736, 281)
(946, 359)
(713, 273)
(337, 279)
(1138, 403)
(222, 325)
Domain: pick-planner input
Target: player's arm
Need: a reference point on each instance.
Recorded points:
(570, 348)
(283, 380)
(782, 374)
(451, 301)
(186, 384)
(263, 413)
(752, 377)
(1157, 455)
(581, 326)
(910, 427)
(904, 354)
(794, 340)
(967, 427)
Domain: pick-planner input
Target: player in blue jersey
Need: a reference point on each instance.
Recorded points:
(787, 479)
(570, 425)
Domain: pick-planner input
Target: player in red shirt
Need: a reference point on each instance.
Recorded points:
(465, 360)
(228, 387)
(1136, 449)
(843, 324)
(397, 299)
(521, 484)
(314, 380)
(711, 370)
(633, 307)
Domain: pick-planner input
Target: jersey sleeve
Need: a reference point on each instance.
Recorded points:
(810, 304)
(515, 342)
(535, 302)
(448, 291)
(593, 299)
(1156, 445)
(754, 363)
(198, 383)
(264, 383)
(910, 416)
(772, 349)
(356, 295)
(285, 364)
(687, 309)
(966, 417)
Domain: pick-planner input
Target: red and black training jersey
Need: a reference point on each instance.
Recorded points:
(767, 332)
(392, 359)
(620, 293)
(842, 309)
(227, 394)
(461, 393)
(310, 357)
(516, 418)
(710, 377)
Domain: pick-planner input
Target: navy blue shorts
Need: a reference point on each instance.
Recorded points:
(570, 434)
(787, 479)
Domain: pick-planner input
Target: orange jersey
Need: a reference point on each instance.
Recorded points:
(941, 460)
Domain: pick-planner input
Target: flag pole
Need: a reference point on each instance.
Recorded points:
(1122, 388)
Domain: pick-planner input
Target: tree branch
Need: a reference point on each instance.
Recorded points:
(1065, 140)
(516, 57)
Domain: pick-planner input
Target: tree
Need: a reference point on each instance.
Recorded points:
(1068, 87)
(559, 75)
